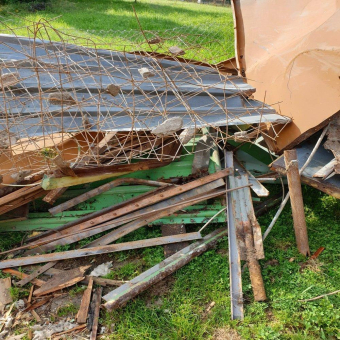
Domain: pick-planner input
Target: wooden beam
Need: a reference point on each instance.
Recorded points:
(296, 201)
(24, 261)
(85, 303)
(97, 300)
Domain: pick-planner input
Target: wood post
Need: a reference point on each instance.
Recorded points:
(296, 201)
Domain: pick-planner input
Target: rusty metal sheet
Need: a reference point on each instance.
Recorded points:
(290, 50)
(236, 295)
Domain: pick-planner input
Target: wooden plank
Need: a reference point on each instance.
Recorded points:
(103, 188)
(98, 297)
(35, 274)
(29, 300)
(97, 280)
(35, 315)
(85, 303)
(5, 295)
(296, 201)
(21, 275)
(53, 195)
(120, 296)
(60, 281)
(24, 261)
(326, 170)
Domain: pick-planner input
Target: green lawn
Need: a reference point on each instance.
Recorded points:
(205, 32)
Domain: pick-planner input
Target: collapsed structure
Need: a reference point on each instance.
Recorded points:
(179, 138)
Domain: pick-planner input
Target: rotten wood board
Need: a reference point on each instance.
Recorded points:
(97, 280)
(66, 279)
(53, 195)
(22, 275)
(24, 261)
(5, 294)
(97, 297)
(120, 296)
(35, 274)
(85, 303)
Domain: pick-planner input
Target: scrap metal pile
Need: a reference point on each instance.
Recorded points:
(96, 144)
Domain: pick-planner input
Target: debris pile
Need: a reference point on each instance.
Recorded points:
(96, 144)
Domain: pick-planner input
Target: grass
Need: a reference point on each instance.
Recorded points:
(205, 32)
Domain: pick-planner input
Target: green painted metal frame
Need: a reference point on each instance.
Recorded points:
(40, 219)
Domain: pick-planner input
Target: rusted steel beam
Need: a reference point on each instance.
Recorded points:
(24, 261)
(120, 296)
(236, 295)
(103, 188)
(162, 194)
(296, 201)
(195, 197)
(138, 218)
(50, 234)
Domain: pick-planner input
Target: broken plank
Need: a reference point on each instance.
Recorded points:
(326, 170)
(120, 296)
(53, 195)
(98, 297)
(103, 188)
(76, 328)
(22, 275)
(60, 281)
(23, 261)
(85, 303)
(5, 294)
(35, 274)
(97, 280)
(38, 304)
(35, 315)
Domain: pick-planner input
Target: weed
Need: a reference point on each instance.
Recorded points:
(76, 290)
(69, 309)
